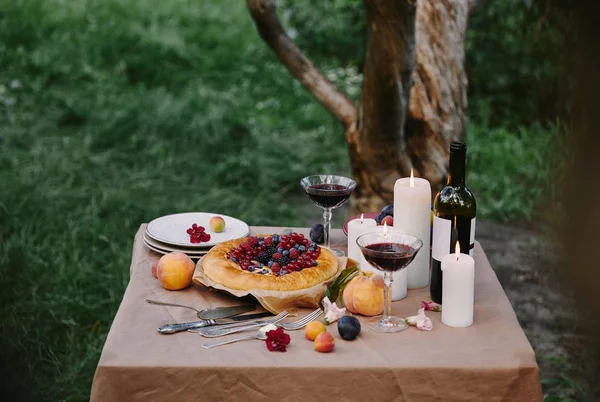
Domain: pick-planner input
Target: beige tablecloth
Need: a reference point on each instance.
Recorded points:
(490, 361)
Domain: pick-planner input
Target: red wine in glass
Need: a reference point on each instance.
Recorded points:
(329, 195)
(388, 251)
(328, 192)
(389, 257)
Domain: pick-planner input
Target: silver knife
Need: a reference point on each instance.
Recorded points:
(212, 313)
(184, 326)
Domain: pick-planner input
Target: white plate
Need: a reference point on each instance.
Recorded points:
(167, 247)
(194, 255)
(172, 229)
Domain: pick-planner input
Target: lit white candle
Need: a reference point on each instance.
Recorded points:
(458, 289)
(412, 215)
(357, 227)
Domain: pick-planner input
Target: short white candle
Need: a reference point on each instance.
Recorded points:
(458, 289)
(412, 214)
(357, 227)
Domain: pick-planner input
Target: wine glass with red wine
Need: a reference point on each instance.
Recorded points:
(328, 192)
(388, 251)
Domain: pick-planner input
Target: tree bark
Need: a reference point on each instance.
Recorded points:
(413, 99)
(387, 141)
(377, 148)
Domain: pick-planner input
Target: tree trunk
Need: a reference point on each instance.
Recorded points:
(413, 99)
(387, 143)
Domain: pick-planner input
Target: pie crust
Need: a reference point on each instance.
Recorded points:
(220, 269)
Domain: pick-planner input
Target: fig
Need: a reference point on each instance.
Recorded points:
(388, 210)
(348, 327)
(317, 233)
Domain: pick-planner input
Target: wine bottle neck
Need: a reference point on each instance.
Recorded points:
(456, 172)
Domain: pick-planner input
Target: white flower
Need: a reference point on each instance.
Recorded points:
(332, 311)
(421, 321)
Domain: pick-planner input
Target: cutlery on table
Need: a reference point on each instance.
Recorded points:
(214, 332)
(172, 328)
(252, 324)
(261, 334)
(211, 313)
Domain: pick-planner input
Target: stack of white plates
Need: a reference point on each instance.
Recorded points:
(169, 233)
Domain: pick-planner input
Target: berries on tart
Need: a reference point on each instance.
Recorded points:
(275, 255)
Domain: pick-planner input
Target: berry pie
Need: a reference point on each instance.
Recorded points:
(277, 262)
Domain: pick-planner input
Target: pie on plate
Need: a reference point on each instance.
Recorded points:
(265, 262)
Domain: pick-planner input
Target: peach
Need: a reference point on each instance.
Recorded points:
(324, 342)
(217, 224)
(175, 270)
(154, 269)
(364, 295)
(313, 329)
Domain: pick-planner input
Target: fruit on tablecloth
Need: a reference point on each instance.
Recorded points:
(388, 220)
(379, 219)
(175, 270)
(313, 329)
(364, 295)
(155, 268)
(348, 327)
(324, 342)
(317, 233)
(388, 210)
(217, 224)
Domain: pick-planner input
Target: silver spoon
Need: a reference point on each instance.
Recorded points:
(261, 334)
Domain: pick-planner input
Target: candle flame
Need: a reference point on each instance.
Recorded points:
(412, 178)
(361, 217)
(385, 228)
(457, 250)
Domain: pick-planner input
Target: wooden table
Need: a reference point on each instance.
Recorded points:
(489, 361)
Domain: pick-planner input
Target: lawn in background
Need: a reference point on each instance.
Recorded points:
(115, 112)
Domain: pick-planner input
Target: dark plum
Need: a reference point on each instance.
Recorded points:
(348, 327)
(379, 218)
(388, 210)
(317, 233)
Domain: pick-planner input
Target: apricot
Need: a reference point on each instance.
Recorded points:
(154, 268)
(175, 270)
(217, 224)
(364, 295)
(313, 329)
(324, 342)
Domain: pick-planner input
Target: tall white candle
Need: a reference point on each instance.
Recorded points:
(412, 214)
(458, 289)
(356, 227)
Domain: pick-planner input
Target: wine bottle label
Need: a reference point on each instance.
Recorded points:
(446, 232)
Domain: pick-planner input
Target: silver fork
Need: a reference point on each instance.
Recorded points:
(288, 326)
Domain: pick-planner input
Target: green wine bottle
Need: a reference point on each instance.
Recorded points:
(454, 210)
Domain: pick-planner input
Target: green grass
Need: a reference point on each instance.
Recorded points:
(114, 112)
(515, 174)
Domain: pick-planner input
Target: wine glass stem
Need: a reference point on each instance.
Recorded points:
(326, 224)
(387, 295)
